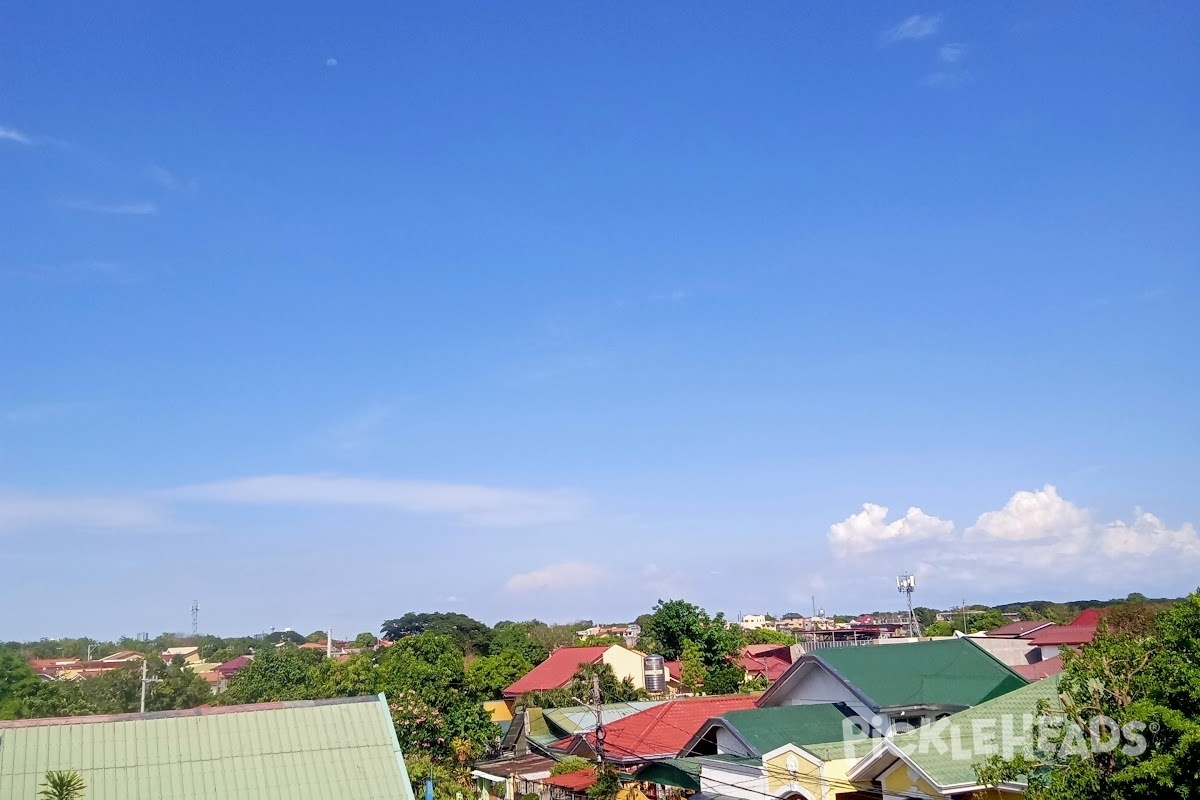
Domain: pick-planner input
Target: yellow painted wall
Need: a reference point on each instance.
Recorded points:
(626, 664)
(900, 780)
(499, 710)
(806, 776)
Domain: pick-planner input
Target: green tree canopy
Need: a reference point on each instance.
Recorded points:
(491, 675)
(517, 637)
(692, 672)
(276, 673)
(675, 622)
(728, 679)
(366, 639)
(472, 636)
(570, 764)
(19, 686)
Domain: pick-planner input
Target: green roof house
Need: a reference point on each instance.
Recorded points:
(758, 731)
(939, 761)
(300, 750)
(887, 684)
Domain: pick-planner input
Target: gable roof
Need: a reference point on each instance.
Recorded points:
(1019, 630)
(1064, 634)
(1089, 616)
(662, 731)
(949, 770)
(946, 672)
(345, 747)
(556, 671)
(762, 730)
(1040, 669)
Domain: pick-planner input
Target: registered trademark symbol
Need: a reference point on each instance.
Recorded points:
(1153, 727)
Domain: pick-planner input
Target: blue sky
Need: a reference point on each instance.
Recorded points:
(318, 317)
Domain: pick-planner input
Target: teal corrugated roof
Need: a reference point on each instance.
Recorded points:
(949, 672)
(300, 751)
(765, 729)
(574, 719)
(948, 770)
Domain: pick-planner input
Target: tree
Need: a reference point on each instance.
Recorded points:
(516, 637)
(570, 764)
(62, 785)
(677, 621)
(987, 621)
(276, 673)
(1140, 670)
(18, 686)
(472, 636)
(729, 679)
(607, 784)
(491, 675)
(940, 628)
(316, 636)
(177, 687)
(767, 636)
(692, 672)
(366, 639)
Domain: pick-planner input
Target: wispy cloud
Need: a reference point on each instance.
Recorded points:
(358, 432)
(40, 412)
(170, 181)
(478, 505)
(565, 575)
(331, 62)
(145, 208)
(22, 511)
(918, 26)
(952, 53)
(15, 136)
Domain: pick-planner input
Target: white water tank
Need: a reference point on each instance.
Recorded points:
(656, 674)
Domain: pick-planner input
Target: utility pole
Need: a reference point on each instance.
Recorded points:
(599, 719)
(329, 643)
(195, 617)
(89, 650)
(146, 681)
(964, 614)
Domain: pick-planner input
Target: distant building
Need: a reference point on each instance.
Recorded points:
(753, 622)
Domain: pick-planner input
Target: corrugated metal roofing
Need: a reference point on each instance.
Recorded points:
(1064, 634)
(299, 751)
(947, 672)
(556, 671)
(575, 719)
(765, 729)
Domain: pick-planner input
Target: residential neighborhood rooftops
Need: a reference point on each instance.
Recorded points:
(1040, 669)
(946, 672)
(556, 671)
(345, 747)
(578, 781)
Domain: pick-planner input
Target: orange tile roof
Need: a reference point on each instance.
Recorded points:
(662, 731)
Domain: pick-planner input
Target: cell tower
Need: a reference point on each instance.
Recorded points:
(196, 617)
(907, 584)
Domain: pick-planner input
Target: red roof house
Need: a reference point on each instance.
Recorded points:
(231, 666)
(1089, 616)
(1040, 669)
(662, 731)
(1064, 636)
(557, 670)
(768, 661)
(576, 782)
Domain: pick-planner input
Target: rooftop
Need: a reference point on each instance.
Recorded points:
(1041, 669)
(556, 671)
(1020, 630)
(1064, 635)
(304, 749)
(662, 731)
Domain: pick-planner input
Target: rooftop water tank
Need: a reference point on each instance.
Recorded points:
(656, 674)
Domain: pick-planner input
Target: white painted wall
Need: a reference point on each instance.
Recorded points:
(728, 743)
(730, 783)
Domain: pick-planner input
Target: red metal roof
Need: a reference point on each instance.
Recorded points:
(578, 781)
(674, 669)
(1064, 634)
(233, 665)
(1019, 630)
(1089, 616)
(769, 667)
(1042, 669)
(780, 650)
(662, 731)
(556, 671)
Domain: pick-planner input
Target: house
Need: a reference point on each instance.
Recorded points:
(789, 772)
(232, 666)
(345, 747)
(908, 683)
(48, 669)
(552, 730)
(1080, 631)
(190, 655)
(768, 661)
(657, 733)
(939, 763)
(558, 670)
(753, 622)
(512, 777)
(758, 731)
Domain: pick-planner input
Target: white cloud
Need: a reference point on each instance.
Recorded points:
(14, 135)
(867, 530)
(918, 26)
(170, 181)
(565, 575)
(480, 505)
(1033, 515)
(123, 209)
(952, 53)
(21, 511)
(1037, 536)
(331, 62)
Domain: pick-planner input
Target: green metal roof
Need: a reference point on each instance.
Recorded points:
(948, 672)
(681, 772)
(765, 729)
(573, 719)
(944, 768)
(298, 750)
(835, 751)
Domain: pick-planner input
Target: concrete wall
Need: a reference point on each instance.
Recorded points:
(626, 664)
